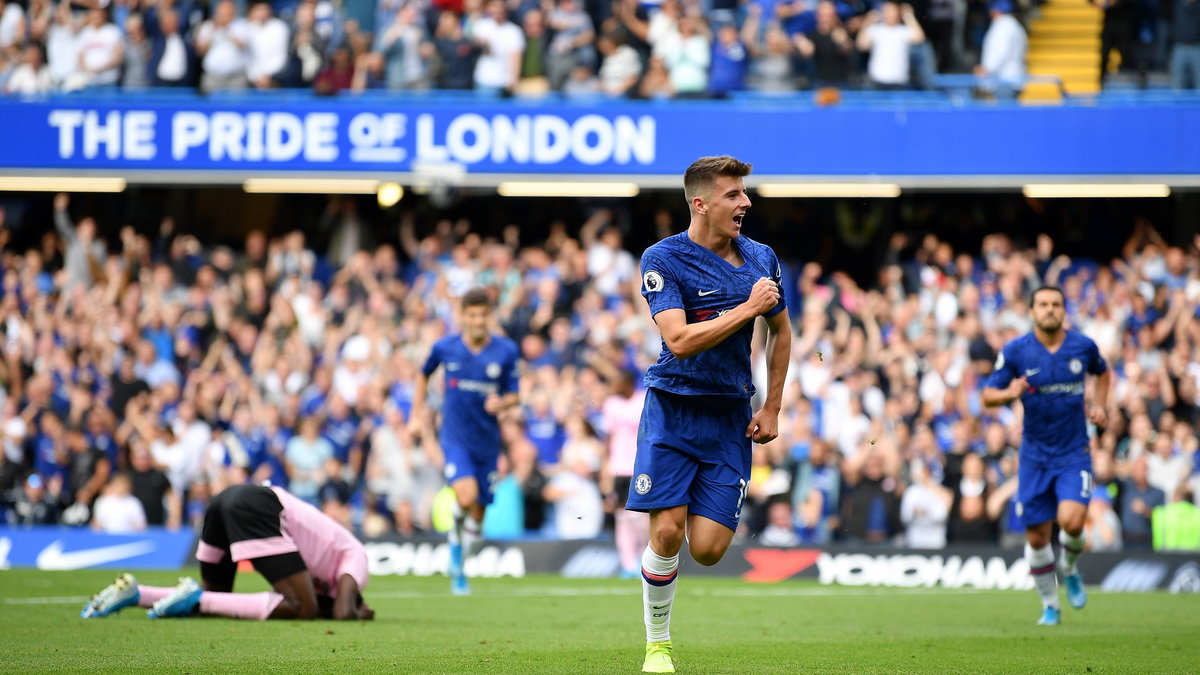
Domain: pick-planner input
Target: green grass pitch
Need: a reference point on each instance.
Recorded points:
(547, 624)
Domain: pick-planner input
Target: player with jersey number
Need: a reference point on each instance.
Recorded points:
(1046, 369)
(705, 288)
(480, 382)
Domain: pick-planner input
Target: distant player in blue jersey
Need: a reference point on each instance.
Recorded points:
(1046, 369)
(481, 381)
(705, 288)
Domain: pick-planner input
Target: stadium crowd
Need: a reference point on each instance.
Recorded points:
(616, 48)
(143, 374)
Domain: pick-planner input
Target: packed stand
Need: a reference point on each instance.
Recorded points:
(143, 374)
(622, 48)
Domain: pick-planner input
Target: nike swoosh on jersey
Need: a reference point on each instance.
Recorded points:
(704, 293)
(1030, 372)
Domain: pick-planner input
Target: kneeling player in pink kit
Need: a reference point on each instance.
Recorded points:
(315, 567)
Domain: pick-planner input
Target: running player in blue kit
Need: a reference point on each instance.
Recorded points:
(481, 381)
(1046, 369)
(705, 288)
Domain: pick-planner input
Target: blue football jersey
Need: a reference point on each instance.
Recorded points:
(469, 378)
(678, 273)
(1055, 426)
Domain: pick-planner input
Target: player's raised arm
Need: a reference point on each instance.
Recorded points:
(764, 426)
(688, 339)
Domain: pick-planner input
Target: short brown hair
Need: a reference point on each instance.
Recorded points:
(477, 297)
(701, 175)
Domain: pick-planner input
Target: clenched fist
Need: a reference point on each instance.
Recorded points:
(764, 296)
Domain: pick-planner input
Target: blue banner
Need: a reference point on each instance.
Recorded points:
(514, 137)
(73, 548)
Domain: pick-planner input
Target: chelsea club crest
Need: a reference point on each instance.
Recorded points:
(642, 484)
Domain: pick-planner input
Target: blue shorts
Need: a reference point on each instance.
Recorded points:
(692, 450)
(1040, 489)
(461, 463)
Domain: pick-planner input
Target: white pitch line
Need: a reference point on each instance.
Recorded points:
(780, 592)
(60, 600)
(572, 592)
(765, 591)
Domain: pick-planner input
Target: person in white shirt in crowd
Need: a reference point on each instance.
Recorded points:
(578, 505)
(925, 509)
(688, 58)
(1004, 48)
(12, 26)
(117, 511)
(780, 530)
(502, 42)
(620, 66)
(172, 56)
(100, 50)
(32, 76)
(266, 46)
(13, 430)
(221, 43)
(662, 30)
(888, 33)
(138, 51)
(62, 46)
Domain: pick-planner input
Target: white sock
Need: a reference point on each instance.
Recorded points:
(472, 535)
(455, 534)
(1072, 548)
(1041, 566)
(658, 593)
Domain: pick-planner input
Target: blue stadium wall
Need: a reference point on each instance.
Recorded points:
(983, 567)
(182, 138)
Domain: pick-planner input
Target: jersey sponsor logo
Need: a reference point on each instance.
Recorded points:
(642, 484)
(1076, 366)
(1062, 388)
(493, 370)
(475, 386)
(453, 366)
(653, 281)
(705, 293)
